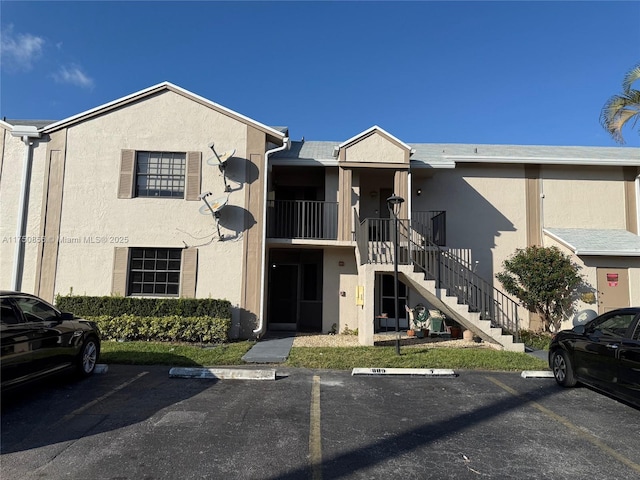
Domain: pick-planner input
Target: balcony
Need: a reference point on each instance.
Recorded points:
(318, 220)
(302, 219)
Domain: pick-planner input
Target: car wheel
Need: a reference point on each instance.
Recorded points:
(562, 369)
(88, 356)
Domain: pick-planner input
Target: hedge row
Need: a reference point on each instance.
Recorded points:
(85, 306)
(174, 328)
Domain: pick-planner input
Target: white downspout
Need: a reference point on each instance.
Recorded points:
(26, 134)
(410, 196)
(285, 146)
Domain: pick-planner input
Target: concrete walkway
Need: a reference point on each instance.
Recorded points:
(273, 348)
(541, 354)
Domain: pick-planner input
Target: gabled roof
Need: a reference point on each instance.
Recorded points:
(593, 241)
(272, 133)
(368, 132)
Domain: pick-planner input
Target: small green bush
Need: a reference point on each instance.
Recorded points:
(535, 340)
(174, 328)
(349, 331)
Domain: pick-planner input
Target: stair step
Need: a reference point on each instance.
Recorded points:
(471, 320)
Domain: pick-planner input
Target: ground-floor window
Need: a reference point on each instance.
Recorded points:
(154, 271)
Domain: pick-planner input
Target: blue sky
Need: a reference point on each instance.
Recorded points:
(444, 72)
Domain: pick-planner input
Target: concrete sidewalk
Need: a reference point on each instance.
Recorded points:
(541, 354)
(273, 348)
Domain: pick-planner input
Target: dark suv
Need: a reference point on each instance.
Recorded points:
(38, 340)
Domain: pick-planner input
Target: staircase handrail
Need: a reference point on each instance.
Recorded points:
(448, 271)
(451, 273)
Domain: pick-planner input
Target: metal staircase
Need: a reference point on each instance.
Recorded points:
(443, 278)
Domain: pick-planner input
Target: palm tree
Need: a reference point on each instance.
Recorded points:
(622, 108)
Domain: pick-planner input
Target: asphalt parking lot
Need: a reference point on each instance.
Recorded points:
(134, 422)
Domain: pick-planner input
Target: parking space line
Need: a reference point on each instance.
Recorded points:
(564, 421)
(78, 411)
(315, 438)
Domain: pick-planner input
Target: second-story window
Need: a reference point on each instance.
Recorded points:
(160, 174)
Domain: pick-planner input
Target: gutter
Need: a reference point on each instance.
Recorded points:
(26, 133)
(285, 146)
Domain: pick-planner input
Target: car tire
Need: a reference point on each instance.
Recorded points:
(562, 369)
(88, 357)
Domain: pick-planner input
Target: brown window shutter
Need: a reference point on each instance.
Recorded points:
(120, 268)
(189, 273)
(194, 167)
(127, 173)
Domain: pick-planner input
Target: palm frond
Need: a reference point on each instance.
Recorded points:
(618, 111)
(630, 78)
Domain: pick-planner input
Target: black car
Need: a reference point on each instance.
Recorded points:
(37, 340)
(603, 353)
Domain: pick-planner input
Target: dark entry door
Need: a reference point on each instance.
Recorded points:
(295, 290)
(283, 287)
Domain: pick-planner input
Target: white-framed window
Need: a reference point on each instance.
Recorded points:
(160, 174)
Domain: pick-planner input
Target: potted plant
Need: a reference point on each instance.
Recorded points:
(456, 331)
(420, 317)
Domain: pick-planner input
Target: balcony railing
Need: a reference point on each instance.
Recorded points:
(431, 225)
(302, 219)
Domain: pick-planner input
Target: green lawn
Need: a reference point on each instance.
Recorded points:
(343, 358)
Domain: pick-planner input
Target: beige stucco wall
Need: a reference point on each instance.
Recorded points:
(10, 188)
(485, 208)
(486, 213)
(585, 197)
(375, 148)
(338, 309)
(92, 212)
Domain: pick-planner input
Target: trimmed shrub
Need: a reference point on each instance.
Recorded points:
(535, 340)
(174, 328)
(196, 320)
(85, 306)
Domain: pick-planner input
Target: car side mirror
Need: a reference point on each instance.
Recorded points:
(579, 329)
(66, 316)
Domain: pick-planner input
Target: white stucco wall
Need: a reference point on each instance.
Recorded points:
(10, 188)
(91, 209)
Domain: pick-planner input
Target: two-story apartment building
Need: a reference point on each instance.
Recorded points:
(164, 192)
